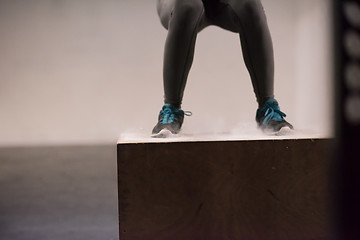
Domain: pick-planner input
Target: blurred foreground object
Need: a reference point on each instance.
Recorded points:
(347, 85)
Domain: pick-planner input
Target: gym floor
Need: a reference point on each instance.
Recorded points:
(58, 193)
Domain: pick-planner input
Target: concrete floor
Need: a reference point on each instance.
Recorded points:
(58, 193)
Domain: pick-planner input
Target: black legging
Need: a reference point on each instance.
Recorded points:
(184, 19)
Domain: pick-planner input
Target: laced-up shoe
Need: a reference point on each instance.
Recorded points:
(169, 121)
(270, 118)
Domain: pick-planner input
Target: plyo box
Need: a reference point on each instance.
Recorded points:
(223, 189)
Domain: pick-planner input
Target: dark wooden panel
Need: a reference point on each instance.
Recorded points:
(268, 189)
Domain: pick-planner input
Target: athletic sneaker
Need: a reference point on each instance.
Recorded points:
(169, 121)
(270, 118)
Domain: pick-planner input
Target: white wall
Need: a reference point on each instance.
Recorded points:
(314, 58)
(83, 71)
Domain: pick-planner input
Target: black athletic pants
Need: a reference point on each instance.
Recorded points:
(184, 19)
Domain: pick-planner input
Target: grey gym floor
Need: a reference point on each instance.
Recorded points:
(58, 193)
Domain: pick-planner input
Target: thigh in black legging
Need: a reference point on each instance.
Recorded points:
(247, 17)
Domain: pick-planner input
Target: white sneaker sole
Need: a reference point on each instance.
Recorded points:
(164, 133)
(284, 131)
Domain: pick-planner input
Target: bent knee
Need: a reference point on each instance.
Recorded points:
(188, 9)
(251, 9)
(181, 11)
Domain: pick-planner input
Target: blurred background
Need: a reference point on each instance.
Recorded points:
(75, 74)
(84, 71)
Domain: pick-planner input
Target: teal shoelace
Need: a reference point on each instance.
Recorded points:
(273, 112)
(169, 114)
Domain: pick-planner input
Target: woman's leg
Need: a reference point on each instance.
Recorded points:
(247, 17)
(183, 19)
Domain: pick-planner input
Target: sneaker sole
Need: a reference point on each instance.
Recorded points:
(286, 130)
(164, 133)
